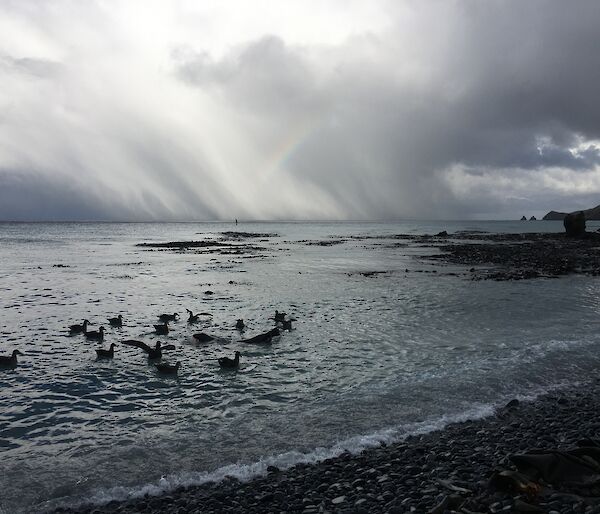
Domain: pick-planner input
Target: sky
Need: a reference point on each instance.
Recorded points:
(148, 110)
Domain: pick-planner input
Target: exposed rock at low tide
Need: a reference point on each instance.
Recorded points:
(522, 256)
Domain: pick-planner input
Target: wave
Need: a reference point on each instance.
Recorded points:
(245, 472)
(248, 471)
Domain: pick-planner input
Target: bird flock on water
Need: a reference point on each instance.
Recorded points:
(156, 352)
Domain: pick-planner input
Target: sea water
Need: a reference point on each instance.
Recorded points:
(370, 358)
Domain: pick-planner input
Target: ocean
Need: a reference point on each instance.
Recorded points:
(371, 358)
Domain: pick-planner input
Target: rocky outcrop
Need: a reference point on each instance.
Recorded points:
(533, 218)
(590, 214)
(523, 218)
(555, 216)
(575, 224)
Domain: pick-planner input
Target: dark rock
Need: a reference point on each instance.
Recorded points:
(512, 404)
(575, 224)
(533, 218)
(523, 218)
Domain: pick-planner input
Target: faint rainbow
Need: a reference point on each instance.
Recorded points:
(288, 146)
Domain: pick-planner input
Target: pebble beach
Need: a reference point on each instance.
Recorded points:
(443, 471)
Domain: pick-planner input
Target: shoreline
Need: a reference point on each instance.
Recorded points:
(432, 472)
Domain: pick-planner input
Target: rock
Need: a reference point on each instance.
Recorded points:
(443, 233)
(574, 224)
(512, 404)
(450, 502)
(338, 500)
(523, 218)
(522, 506)
(533, 218)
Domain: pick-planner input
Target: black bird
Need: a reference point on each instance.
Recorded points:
(162, 330)
(116, 322)
(96, 335)
(279, 317)
(106, 354)
(240, 324)
(168, 369)
(202, 337)
(153, 353)
(11, 361)
(78, 329)
(192, 318)
(264, 338)
(168, 317)
(226, 362)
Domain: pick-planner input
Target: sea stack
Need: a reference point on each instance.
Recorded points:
(575, 224)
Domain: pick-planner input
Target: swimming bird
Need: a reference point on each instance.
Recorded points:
(168, 317)
(168, 369)
(264, 338)
(11, 361)
(192, 318)
(78, 329)
(116, 322)
(153, 353)
(202, 337)
(162, 330)
(279, 316)
(226, 362)
(240, 324)
(96, 335)
(106, 354)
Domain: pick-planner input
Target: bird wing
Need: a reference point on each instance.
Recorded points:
(138, 344)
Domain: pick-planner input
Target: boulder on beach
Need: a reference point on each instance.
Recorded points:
(575, 224)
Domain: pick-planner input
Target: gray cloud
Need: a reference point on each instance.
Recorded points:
(40, 68)
(503, 87)
(457, 109)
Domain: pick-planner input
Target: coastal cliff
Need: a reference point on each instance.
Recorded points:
(590, 214)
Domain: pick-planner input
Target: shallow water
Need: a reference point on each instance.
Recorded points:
(369, 359)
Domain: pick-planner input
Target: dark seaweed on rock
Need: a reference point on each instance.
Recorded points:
(181, 244)
(525, 256)
(323, 242)
(218, 247)
(250, 235)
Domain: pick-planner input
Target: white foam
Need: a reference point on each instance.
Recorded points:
(246, 472)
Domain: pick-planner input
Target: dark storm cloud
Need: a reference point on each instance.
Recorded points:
(31, 196)
(496, 86)
(454, 109)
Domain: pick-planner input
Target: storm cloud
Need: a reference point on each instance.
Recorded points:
(412, 110)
